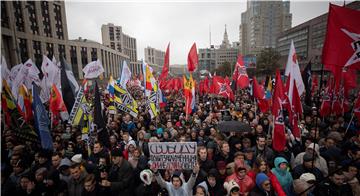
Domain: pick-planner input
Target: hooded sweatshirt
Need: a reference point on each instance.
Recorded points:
(283, 176)
(319, 162)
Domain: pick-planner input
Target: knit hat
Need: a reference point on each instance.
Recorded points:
(261, 178)
(146, 176)
(307, 157)
(131, 142)
(211, 145)
(220, 165)
(213, 173)
(64, 163)
(77, 158)
(308, 177)
(311, 146)
(231, 186)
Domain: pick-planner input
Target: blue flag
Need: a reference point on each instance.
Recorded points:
(41, 119)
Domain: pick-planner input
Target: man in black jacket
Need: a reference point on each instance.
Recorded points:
(120, 178)
(334, 187)
(307, 167)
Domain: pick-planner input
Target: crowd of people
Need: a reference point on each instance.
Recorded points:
(324, 161)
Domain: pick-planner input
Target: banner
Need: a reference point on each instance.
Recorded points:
(173, 155)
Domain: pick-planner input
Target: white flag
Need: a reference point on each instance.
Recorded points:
(5, 72)
(93, 69)
(27, 74)
(125, 75)
(292, 68)
(51, 76)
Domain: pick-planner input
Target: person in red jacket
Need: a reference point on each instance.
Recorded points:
(261, 165)
(244, 181)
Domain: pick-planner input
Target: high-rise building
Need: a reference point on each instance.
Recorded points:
(30, 29)
(114, 37)
(262, 23)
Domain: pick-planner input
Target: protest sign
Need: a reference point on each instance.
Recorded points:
(173, 155)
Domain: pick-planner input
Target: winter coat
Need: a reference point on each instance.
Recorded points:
(245, 184)
(273, 180)
(121, 178)
(328, 188)
(76, 187)
(319, 162)
(258, 192)
(184, 190)
(284, 177)
(218, 189)
(301, 169)
(267, 153)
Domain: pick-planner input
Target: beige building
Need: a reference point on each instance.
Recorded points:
(30, 29)
(154, 57)
(83, 51)
(261, 25)
(308, 40)
(114, 37)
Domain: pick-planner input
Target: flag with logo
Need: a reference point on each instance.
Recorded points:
(279, 139)
(41, 120)
(51, 74)
(93, 69)
(242, 79)
(221, 87)
(293, 69)
(342, 41)
(259, 94)
(57, 106)
(124, 101)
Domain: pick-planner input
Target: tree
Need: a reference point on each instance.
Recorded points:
(224, 70)
(267, 62)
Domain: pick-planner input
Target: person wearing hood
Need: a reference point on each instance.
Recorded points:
(202, 189)
(244, 181)
(261, 166)
(177, 186)
(232, 188)
(283, 175)
(128, 125)
(319, 161)
(307, 167)
(213, 183)
(263, 186)
(147, 187)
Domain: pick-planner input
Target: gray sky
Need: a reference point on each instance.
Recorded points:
(181, 23)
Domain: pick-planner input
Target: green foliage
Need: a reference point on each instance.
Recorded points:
(267, 62)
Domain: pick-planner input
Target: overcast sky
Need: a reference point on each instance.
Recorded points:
(181, 23)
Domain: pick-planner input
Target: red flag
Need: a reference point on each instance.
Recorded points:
(325, 108)
(221, 87)
(242, 78)
(192, 58)
(279, 139)
(57, 106)
(165, 69)
(297, 111)
(259, 94)
(314, 84)
(357, 107)
(342, 37)
(206, 85)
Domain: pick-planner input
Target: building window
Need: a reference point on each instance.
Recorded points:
(32, 17)
(93, 54)
(111, 33)
(23, 50)
(4, 15)
(84, 60)
(46, 18)
(50, 50)
(62, 51)
(58, 22)
(19, 20)
(73, 60)
(37, 53)
(112, 45)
